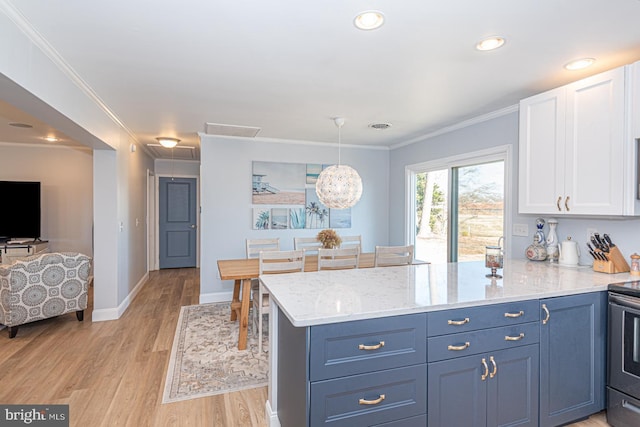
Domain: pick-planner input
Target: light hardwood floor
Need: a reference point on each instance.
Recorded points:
(112, 373)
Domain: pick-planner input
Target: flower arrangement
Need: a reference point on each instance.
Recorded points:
(329, 238)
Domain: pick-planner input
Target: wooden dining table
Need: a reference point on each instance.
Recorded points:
(241, 271)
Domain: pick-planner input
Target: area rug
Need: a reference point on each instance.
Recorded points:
(205, 359)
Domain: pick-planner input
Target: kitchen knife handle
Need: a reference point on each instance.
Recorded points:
(608, 240)
(558, 203)
(566, 204)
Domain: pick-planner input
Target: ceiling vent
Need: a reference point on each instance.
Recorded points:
(380, 126)
(231, 130)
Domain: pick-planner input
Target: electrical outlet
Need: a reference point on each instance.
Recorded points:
(591, 232)
(520, 230)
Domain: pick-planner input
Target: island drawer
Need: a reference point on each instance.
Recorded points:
(348, 348)
(476, 342)
(420, 420)
(488, 316)
(369, 399)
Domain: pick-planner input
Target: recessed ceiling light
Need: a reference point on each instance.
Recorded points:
(51, 139)
(579, 64)
(490, 43)
(21, 125)
(369, 20)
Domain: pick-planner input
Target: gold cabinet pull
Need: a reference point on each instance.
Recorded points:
(518, 338)
(458, 322)
(495, 367)
(486, 369)
(371, 402)
(558, 203)
(459, 347)
(546, 310)
(518, 314)
(566, 204)
(371, 347)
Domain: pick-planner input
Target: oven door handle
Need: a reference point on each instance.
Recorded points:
(630, 406)
(625, 301)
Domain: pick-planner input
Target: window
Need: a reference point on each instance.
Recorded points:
(457, 205)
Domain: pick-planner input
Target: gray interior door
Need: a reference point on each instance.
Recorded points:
(177, 222)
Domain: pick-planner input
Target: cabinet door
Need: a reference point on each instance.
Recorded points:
(572, 357)
(542, 148)
(594, 145)
(512, 393)
(457, 393)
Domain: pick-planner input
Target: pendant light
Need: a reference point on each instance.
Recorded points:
(339, 186)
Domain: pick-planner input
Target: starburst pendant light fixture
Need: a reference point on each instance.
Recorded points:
(339, 186)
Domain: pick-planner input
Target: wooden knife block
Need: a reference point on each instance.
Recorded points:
(616, 263)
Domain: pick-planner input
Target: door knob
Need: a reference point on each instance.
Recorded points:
(193, 226)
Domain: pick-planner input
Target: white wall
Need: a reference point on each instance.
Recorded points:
(225, 177)
(182, 168)
(501, 130)
(35, 79)
(66, 190)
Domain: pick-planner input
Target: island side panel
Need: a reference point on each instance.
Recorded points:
(293, 374)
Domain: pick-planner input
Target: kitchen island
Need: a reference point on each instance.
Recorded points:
(309, 309)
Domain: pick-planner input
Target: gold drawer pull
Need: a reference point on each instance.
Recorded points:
(518, 338)
(566, 204)
(458, 322)
(548, 315)
(558, 203)
(495, 367)
(486, 369)
(512, 315)
(371, 402)
(371, 347)
(459, 347)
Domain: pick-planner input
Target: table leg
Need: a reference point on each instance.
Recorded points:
(244, 314)
(235, 301)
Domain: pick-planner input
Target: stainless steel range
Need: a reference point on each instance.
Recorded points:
(623, 377)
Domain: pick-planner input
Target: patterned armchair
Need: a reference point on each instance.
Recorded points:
(43, 286)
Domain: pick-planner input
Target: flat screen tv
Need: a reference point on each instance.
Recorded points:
(19, 210)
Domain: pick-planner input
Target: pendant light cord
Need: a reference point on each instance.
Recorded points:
(339, 142)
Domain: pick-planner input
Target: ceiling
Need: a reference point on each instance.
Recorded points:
(166, 68)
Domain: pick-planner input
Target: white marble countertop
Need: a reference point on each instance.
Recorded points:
(315, 298)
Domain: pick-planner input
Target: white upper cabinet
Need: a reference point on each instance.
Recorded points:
(573, 143)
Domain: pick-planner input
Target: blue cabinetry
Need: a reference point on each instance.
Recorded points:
(352, 374)
(486, 375)
(572, 357)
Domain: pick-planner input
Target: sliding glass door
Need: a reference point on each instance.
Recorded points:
(458, 209)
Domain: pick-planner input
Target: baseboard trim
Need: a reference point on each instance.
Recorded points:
(216, 297)
(272, 417)
(104, 314)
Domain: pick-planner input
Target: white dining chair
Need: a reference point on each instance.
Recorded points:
(393, 255)
(309, 244)
(272, 262)
(349, 241)
(338, 258)
(255, 246)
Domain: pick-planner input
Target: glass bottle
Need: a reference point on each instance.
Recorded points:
(635, 265)
(552, 241)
